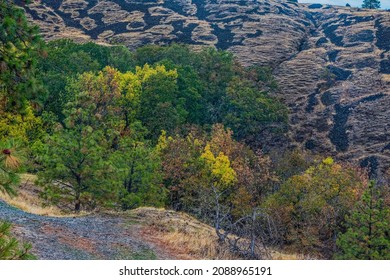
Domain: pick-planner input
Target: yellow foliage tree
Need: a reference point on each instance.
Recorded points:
(23, 127)
(219, 167)
(312, 206)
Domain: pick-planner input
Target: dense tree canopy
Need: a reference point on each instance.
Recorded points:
(20, 46)
(311, 207)
(171, 127)
(371, 4)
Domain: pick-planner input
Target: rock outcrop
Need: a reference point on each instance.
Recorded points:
(332, 63)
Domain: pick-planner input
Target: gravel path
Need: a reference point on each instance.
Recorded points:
(74, 238)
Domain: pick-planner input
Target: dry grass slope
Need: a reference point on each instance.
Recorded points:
(173, 235)
(186, 238)
(28, 199)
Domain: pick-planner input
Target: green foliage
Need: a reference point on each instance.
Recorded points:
(9, 246)
(216, 70)
(371, 4)
(96, 102)
(139, 172)
(99, 154)
(311, 207)
(161, 107)
(25, 127)
(74, 168)
(66, 60)
(20, 46)
(76, 157)
(250, 112)
(213, 88)
(190, 90)
(368, 229)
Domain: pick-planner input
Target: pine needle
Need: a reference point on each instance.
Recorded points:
(12, 162)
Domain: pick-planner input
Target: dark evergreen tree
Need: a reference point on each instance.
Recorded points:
(371, 4)
(368, 229)
(139, 172)
(20, 45)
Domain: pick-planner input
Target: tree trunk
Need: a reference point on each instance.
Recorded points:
(77, 205)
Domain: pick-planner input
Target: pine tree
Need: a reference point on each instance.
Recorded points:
(138, 168)
(368, 229)
(75, 171)
(75, 159)
(20, 45)
(9, 246)
(371, 4)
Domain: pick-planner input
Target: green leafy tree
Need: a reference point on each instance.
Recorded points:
(9, 246)
(310, 208)
(216, 69)
(181, 167)
(251, 113)
(368, 229)
(161, 109)
(175, 53)
(20, 46)
(25, 127)
(76, 167)
(190, 90)
(67, 59)
(210, 72)
(371, 4)
(139, 171)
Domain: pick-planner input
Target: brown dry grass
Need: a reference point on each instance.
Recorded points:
(186, 238)
(180, 235)
(28, 199)
(386, 77)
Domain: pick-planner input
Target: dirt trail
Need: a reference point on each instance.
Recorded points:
(100, 236)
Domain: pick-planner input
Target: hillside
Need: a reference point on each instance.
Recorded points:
(332, 63)
(140, 234)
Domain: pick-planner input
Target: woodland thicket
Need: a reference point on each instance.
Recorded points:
(107, 128)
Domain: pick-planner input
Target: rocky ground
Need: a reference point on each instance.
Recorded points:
(102, 236)
(332, 63)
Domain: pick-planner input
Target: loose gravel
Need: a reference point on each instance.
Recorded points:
(104, 236)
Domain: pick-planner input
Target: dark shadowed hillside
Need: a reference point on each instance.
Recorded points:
(332, 63)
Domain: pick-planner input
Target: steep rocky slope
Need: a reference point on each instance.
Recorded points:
(332, 63)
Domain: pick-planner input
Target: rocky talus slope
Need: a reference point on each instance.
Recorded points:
(332, 63)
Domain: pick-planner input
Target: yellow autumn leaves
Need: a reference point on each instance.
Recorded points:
(219, 167)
